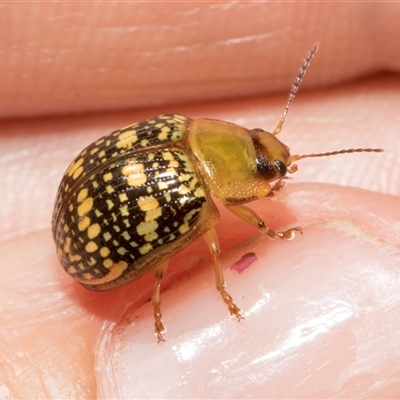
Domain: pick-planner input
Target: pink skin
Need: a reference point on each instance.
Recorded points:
(321, 312)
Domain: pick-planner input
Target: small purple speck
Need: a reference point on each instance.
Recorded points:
(244, 263)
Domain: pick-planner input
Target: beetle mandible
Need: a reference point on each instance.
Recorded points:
(134, 198)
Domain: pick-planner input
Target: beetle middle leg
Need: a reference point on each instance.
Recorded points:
(249, 216)
(211, 240)
(159, 327)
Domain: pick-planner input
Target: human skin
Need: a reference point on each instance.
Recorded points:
(321, 311)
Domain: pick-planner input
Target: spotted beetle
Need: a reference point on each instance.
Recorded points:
(134, 198)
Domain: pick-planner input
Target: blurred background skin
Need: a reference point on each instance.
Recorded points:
(72, 72)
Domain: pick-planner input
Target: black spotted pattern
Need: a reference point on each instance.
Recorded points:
(176, 199)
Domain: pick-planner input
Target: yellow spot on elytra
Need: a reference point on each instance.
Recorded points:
(162, 185)
(110, 189)
(168, 156)
(82, 195)
(152, 214)
(145, 228)
(67, 245)
(135, 174)
(71, 270)
(74, 166)
(77, 172)
(108, 263)
(184, 177)
(126, 139)
(85, 207)
(183, 228)
(123, 197)
(124, 210)
(190, 215)
(110, 204)
(151, 236)
(147, 203)
(91, 247)
(183, 190)
(75, 257)
(145, 249)
(93, 231)
(107, 236)
(172, 171)
(199, 192)
(122, 251)
(126, 235)
(84, 223)
(166, 129)
(107, 177)
(104, 252)
(176, 136)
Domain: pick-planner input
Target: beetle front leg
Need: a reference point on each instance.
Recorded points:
(156, 301)
(249, 216)
(277, 186)
(211, 240)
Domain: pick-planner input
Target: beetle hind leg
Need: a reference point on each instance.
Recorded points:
(159, 327)
(211, 240)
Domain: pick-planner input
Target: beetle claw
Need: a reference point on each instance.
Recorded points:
(289, 234)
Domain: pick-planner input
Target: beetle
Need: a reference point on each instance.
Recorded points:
(134, 198)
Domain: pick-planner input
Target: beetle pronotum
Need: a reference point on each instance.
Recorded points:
(134, 198)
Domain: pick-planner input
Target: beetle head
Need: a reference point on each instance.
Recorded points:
(274, 159)
(271, 154)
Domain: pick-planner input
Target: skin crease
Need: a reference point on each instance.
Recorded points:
(59, 340)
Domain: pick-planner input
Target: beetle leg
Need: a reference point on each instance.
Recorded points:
(156, 301)
(211, 240)
(249, 216)
(278, 185)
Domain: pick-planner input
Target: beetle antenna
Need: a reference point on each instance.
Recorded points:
(295, 86)
(293, 167)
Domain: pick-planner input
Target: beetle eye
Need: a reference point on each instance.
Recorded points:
(280, 167)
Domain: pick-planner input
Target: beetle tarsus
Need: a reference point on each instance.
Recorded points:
(160, 338)
(234, 310)
(158, 323)
(278, 185)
